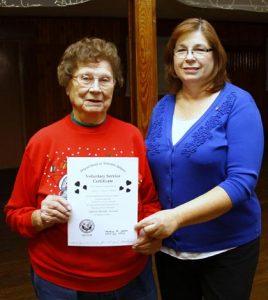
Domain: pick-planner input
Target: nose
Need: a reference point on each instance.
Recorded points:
(95, 86)
(189, 55)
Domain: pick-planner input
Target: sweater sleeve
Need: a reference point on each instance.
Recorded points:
(244, 133)
(23, 200)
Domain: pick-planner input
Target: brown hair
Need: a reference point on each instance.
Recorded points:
(219, 74)
(89, 50)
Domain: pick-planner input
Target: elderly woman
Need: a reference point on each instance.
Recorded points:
(38, 209)
(205, 147)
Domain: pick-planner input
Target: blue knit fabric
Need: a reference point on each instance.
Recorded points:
(223, 148)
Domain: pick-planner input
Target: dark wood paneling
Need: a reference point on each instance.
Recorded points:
(11, 94)
(42, 42)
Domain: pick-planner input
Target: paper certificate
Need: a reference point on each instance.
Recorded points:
(103, 193)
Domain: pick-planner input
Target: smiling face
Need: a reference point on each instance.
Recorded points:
(193, 69)
(91, 91)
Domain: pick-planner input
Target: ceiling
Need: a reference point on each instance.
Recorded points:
(165, 9)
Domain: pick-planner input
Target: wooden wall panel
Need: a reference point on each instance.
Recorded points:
(42, 42)
(12, 109)
(143, 62)
(245, 67)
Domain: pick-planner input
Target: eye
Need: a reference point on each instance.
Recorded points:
(181, 50)
(105, 79)
(199, 50)
(85, 77)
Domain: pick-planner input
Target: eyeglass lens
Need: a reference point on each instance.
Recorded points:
(89, 81)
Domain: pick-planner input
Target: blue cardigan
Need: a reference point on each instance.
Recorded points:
(223, 148)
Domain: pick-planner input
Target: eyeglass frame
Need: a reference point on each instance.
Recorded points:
(200, 55)
(89, 86)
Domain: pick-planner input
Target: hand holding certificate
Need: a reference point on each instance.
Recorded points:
(103, 193)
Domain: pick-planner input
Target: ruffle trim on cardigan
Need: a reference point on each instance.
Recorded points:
(199, 136)
(156, 131)
(203, 133)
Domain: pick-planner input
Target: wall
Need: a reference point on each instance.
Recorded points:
(30, 50)
(12, 117)
(31, 97)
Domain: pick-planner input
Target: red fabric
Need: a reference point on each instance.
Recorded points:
(42, 168)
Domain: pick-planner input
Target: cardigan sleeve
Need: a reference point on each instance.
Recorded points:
(244, 133)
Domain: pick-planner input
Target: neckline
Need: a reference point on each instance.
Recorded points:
(184, 121)
(200, 119)
(85, 124)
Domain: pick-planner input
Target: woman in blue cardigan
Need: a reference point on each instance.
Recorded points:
(205, 147)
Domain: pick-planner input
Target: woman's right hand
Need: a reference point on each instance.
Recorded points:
(204, 208)
(160, 224)
(54, 209)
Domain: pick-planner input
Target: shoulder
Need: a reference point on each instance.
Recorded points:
(49, 132)
(237, 94)
(163, 105)
(165, 100)
(240, 103)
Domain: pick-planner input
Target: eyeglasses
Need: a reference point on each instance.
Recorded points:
(88, 81)
(196, 52)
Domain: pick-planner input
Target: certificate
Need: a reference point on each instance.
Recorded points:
(103, 193)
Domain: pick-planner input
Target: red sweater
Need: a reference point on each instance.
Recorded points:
(43, 166)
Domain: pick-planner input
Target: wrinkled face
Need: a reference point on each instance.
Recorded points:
(193, 58)
(91, 91)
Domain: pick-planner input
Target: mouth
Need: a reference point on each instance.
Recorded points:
(191, 70)
(94, 101)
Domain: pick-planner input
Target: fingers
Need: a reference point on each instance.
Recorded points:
(148, 223)
(148, 226)
(156, 230)
(143, 240)
(56, 202)
(150, 246)
(151, 229)
(55, 209)
(142, 224)
(159, 225)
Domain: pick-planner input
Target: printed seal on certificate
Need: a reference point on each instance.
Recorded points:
(86, 226)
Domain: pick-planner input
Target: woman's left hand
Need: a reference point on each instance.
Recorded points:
(146, 244)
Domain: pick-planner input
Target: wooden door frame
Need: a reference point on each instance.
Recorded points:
(142, 60)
